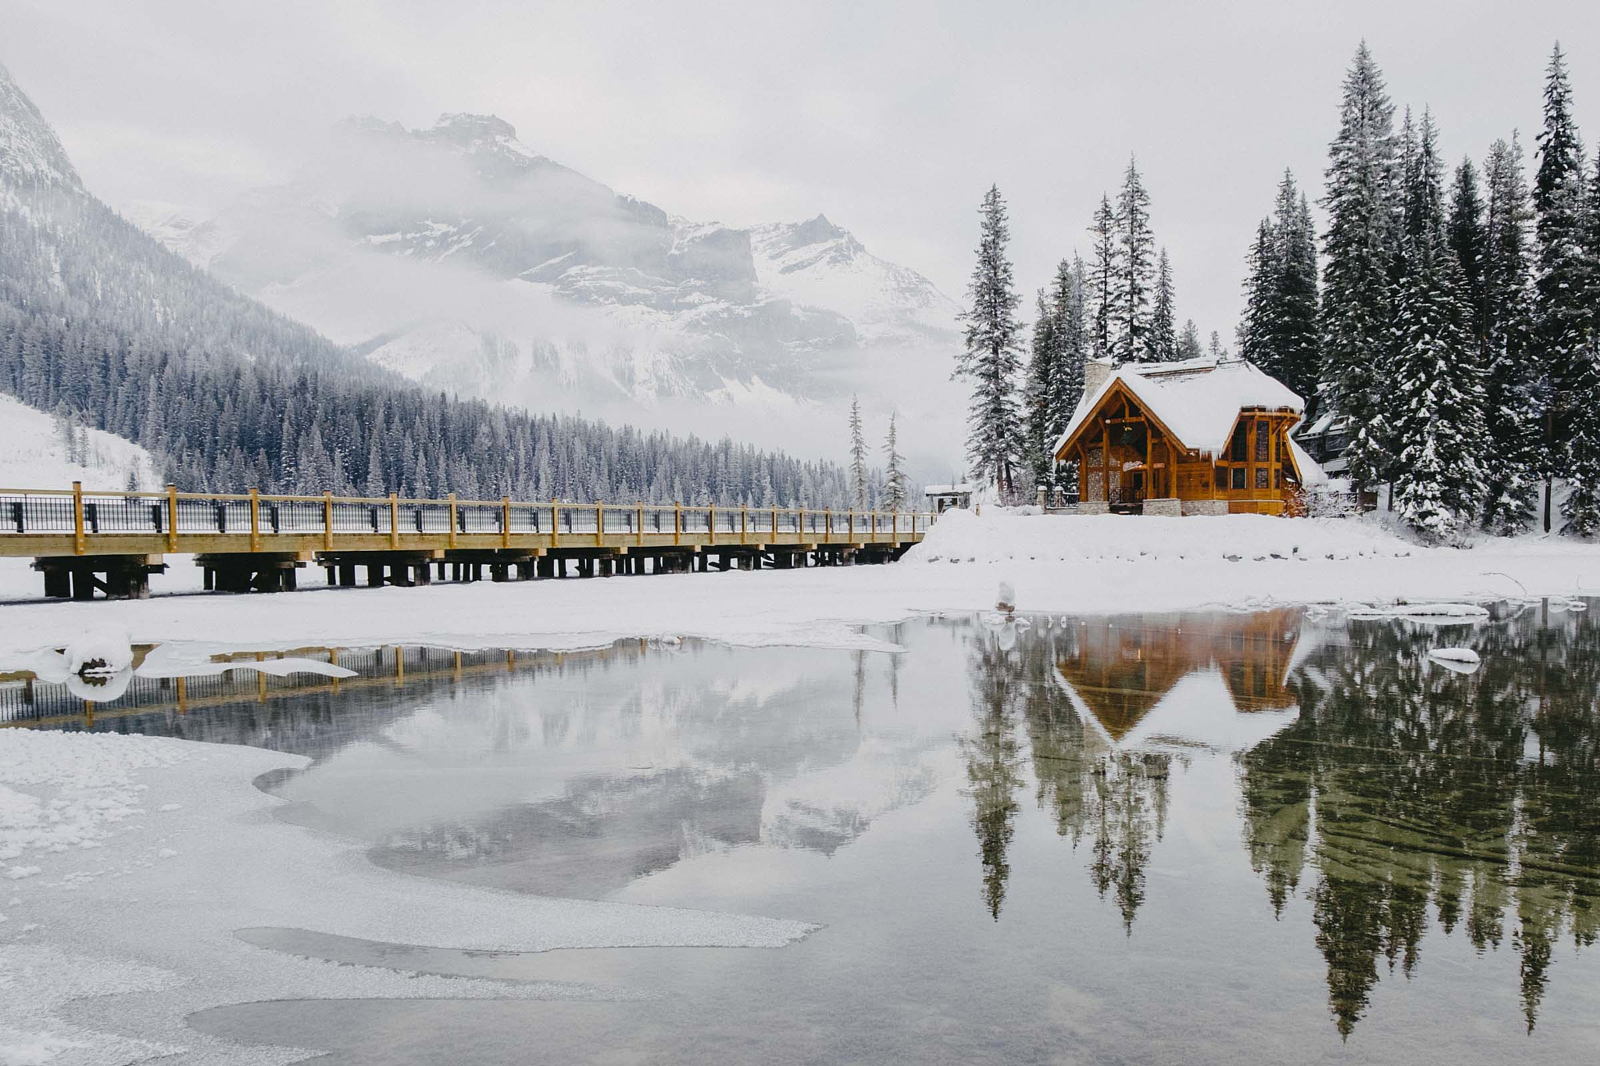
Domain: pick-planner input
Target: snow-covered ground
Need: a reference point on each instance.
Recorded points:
(96, 826)
(33, 454)
(1080, 564)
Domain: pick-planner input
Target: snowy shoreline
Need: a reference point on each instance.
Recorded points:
(1081, 565)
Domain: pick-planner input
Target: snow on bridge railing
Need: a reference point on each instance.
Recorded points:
(171, 513)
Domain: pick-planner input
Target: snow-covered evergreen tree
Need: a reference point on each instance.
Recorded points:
(1436, 406)
(1104, 259)
(1189, 341)
(894, 478)
(858, 456)
(991, 359)
(1360, 247)
(1134, 278)
(1044, 366)
(1258, 327)
(1163, 328)
(1296, 342)
(1055, 366)
(1512, 375)
(1562, 315)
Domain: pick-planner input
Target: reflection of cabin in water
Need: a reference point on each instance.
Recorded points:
(1202, 436)
(1121, 672)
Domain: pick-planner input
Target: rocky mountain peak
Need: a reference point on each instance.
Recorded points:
(30, 152)
(466, 129)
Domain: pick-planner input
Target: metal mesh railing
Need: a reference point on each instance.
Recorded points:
(109, 514)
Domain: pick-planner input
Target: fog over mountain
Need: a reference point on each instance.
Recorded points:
(462, 258)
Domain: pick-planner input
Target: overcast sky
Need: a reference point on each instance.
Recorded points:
(892, 120)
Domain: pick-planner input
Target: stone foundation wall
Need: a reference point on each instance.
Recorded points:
(1167, 507)
(1094, 507)
(1211, 507)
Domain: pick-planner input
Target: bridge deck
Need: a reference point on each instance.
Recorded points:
(65, 523)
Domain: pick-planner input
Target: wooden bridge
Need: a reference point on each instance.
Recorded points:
(111, 542)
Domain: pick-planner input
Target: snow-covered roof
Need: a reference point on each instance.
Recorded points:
(948, 490)
(1198, 400)
(1311, 472)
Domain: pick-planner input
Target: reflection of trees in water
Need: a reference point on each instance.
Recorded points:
(1115, 799)
(1406, 785)
(994, 762)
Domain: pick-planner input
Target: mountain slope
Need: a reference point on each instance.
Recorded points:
(38, 451)
(100, 320)
(464, 259)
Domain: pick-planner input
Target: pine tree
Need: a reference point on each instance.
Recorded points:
(1163, 329)
(1134, 277)
(1258, 329)
(858, 457)
(1361, 244)
(1043, 368)
(1296, 336)
(1511, 376)
(1189, 341)
(894, 481)
(991, 360)
(1561, 313)
(1055, 367)
(1437, 379)
(1103, 276)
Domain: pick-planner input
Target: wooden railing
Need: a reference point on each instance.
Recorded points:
(67, 522)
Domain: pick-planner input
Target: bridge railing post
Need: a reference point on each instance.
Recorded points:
(505, 522)
(641, 522)
(451, 500)
(77, 517)
(394, 520)
(172, 518)
(599, 524)
(555, 522)
(327, 521)
(255, 520)
(677, 521)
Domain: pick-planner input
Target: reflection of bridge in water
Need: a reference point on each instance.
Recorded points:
(406, 673)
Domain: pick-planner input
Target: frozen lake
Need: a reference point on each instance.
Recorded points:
(1163, 838)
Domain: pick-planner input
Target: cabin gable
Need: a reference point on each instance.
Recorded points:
(1127, 454)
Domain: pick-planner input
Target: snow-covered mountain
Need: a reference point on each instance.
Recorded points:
(465, 260)
(30, 152)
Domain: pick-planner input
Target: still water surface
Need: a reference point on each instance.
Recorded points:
(1170, 838)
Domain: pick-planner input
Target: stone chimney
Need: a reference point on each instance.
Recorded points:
(1095, 373)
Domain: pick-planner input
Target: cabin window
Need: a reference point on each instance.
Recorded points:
(1222, 477)
(1263, 441)
(1238, 477)
(1262, 477)
(1237, 448)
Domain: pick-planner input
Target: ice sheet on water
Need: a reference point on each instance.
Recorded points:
(164, 893)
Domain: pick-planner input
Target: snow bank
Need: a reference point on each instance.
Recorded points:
(128, 862)
(963, 537)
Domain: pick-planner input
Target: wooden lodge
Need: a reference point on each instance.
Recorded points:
(1202, 436)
